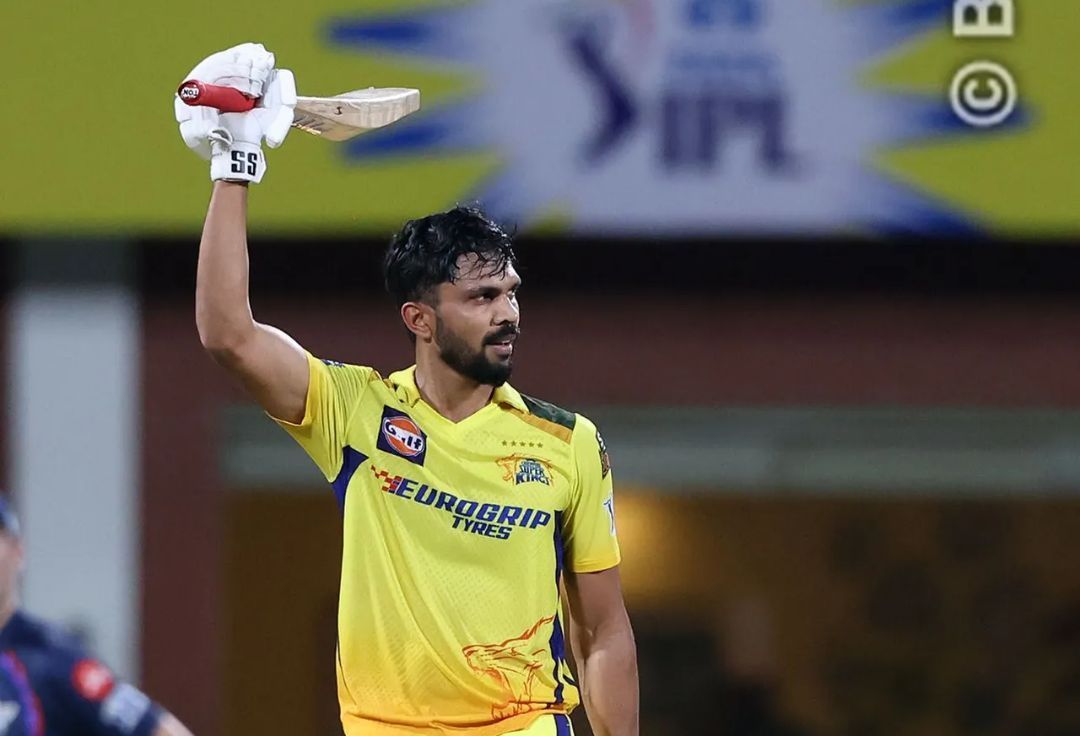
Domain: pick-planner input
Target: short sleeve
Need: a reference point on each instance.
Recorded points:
(589, 526)
(94, 703)
(334, 392)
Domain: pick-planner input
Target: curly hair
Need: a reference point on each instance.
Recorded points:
(426, 252)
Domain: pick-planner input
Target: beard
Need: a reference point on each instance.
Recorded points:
(474, 364)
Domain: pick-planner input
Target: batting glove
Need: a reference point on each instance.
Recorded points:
(233, 141)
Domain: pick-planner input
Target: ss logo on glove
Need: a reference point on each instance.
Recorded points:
(240, 160)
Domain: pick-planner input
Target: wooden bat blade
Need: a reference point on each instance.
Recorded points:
(344, 116)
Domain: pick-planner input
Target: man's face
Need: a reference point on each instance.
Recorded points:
(477, 322)
(11, 561)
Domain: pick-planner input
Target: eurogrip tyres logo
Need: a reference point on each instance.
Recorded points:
(492, 520)
(984, 93)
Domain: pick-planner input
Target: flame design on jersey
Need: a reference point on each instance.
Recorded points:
(513, 666)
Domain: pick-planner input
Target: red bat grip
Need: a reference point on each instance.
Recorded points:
(225, 99)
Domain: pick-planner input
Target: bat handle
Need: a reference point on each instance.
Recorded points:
(225, 99)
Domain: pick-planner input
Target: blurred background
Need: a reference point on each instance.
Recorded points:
(829, 329)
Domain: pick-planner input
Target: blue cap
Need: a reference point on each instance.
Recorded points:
(9, 522)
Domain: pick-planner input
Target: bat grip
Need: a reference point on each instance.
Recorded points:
(225, 99)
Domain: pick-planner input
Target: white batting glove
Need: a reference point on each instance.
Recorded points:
(236, 141)
(232, 141)
(245, 67)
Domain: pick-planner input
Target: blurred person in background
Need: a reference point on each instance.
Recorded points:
(48, 685)
(465, 503)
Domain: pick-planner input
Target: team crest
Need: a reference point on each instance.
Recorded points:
(400, 435)
(520, 469)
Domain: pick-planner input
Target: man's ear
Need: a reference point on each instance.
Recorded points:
(419, 319)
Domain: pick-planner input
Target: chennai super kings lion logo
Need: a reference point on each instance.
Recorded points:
(521, 469)
(513, 666)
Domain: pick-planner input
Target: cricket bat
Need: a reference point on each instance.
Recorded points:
(337, 118)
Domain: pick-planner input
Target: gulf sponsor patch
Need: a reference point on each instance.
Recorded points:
(400, 435)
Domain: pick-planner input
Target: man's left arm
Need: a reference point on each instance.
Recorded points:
(600, 632)
(603, 644)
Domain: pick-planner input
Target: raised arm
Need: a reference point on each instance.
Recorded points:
(270, 364)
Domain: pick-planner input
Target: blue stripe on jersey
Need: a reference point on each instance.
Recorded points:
(350, 461)
(562, 726)
(29, 711)
(558, 645)
(558, 547)
(558, 653)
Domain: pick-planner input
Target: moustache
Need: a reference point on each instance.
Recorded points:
(502, 334)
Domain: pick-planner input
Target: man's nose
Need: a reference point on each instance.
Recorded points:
(506, 311)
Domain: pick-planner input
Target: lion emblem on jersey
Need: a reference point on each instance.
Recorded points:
(521, 469)
(513, 666)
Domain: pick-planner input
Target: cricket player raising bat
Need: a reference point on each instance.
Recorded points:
(466, 503)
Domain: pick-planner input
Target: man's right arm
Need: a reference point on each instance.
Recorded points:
(270, 364)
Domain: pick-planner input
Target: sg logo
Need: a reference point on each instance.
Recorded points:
(242, 161)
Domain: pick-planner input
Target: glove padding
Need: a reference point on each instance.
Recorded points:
(236, 139)
(232, 141)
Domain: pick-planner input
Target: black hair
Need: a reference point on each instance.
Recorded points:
(426, 251)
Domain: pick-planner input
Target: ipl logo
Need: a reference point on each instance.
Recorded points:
(714, 85)
(669, 116)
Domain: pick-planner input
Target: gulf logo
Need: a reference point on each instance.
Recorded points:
(401, 436)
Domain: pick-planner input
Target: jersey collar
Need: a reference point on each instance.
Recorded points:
(405, 383)
(13, 630)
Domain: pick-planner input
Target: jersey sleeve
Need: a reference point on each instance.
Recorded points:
(589, 533)
(94, 703)
(334, 392)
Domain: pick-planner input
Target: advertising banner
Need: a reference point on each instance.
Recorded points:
(651, 118)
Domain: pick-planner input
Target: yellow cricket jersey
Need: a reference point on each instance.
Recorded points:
(456, 534)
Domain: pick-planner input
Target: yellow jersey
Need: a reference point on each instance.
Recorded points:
(455, 538)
